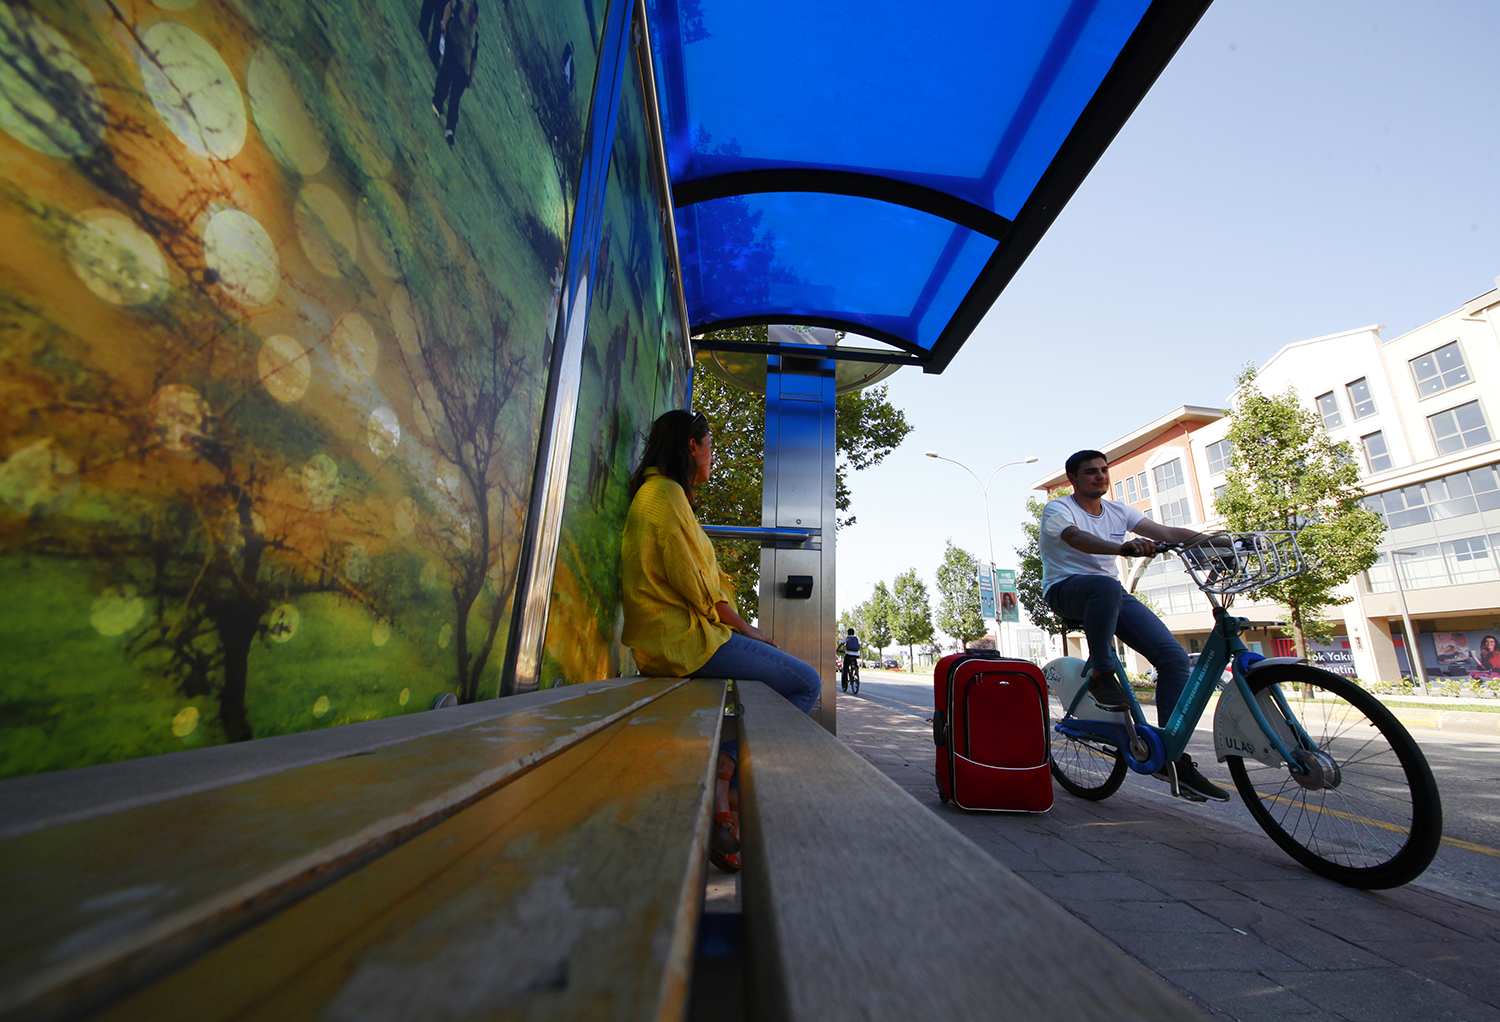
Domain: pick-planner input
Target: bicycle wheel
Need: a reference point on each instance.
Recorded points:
(1370, 815)
(854, 681)
(1087, 769)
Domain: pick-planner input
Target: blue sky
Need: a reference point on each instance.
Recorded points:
(1300, 168)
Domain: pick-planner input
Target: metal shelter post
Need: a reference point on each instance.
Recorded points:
(797, 584)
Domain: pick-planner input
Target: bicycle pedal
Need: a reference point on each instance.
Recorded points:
(1190, 796)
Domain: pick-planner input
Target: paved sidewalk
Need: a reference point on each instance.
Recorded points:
(1216, 908)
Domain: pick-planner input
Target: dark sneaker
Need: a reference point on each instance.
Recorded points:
(1107, 694)
(1191, 781)
(449, 136)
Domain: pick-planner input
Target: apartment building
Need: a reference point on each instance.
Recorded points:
(1420, 411)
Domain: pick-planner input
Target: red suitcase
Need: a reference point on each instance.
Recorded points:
(990, 727)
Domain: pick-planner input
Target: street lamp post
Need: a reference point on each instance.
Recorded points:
(984, 489)
(1413, 648)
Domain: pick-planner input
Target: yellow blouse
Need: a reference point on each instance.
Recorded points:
(671, 582)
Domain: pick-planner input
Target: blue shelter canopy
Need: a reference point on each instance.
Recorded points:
(885, 167)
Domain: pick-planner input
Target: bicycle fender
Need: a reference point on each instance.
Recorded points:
(1065, 676)
(1237, 734)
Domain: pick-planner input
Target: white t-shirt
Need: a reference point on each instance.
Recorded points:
(1059, 559)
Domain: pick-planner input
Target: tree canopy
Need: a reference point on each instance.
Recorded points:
(1287, 473)
(911, 617)
(1029, 573)
(958, 584)
(876, 616)
(868, 428)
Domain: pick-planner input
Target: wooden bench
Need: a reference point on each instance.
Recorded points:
(541, 856)
(859, 903)
(546, 859)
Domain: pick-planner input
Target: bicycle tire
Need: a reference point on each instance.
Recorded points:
(1088, 770)
(1385, 790)
(854, 681)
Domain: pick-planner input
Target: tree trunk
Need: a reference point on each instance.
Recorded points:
(1299, 642)
(237, 624)
(463, 602)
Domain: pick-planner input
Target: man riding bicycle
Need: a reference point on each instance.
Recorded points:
(1081, 535)
(850, 646)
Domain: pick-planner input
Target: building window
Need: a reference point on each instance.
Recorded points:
(1130, 489)
(1328, 408)
(1453, 562)
(1171, 494)
(1469, 560)
(1119, 491)
(1454, 496)
(1220, 457)
(1169, 476)
(1377, 455)
(1360, 398)
(1459, 428)
(1140, 485)
(1219, 492)
(1438, 370)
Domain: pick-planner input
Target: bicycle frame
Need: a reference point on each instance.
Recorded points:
(1224, 647)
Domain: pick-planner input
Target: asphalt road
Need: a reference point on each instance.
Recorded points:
(1467, 768)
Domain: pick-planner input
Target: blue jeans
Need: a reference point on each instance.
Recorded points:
(1107, 610)
(748, 660)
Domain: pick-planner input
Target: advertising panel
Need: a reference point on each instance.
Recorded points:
(1461, 654)
(1005, 587)
(1334, 657)
(986, 592)
(275, 344)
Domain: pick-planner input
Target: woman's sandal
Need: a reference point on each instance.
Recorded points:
(724, 843)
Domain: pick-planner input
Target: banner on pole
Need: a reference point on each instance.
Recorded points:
(986, 592)
(1005, 590)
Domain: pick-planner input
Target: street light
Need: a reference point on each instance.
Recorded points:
(984, 488)
(1413, 647)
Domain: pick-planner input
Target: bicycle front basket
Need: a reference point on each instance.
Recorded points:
(1241, 562)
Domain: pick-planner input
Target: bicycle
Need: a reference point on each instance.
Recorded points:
(1325, 769)
(850, 679)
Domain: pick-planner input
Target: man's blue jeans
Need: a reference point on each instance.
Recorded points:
(1107, 611)
(750, 660)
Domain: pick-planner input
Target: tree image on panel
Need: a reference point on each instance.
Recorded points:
(1288, 474)
(958, 586)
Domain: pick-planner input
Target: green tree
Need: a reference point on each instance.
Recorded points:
(911, 619)
(1287, 474)
(1029, 573)
(868, 428)
(958, 583)
(879, 609)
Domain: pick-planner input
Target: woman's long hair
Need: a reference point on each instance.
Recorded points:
(667, 449)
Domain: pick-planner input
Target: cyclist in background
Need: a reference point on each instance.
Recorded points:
(1081, 536)
(850, 645)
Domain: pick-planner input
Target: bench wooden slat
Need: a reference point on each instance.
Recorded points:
(98, 905)
(861, 904)
(570, 892)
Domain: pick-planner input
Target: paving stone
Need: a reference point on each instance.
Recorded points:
(1210, 951)
(1470, 966)
(1314, 948)
(1244, 996)
(1170, 883)
(1109, 917)
(1390, 995)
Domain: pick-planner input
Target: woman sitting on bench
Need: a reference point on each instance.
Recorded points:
(680, 619)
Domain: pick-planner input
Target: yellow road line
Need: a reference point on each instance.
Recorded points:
(1467, 846)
